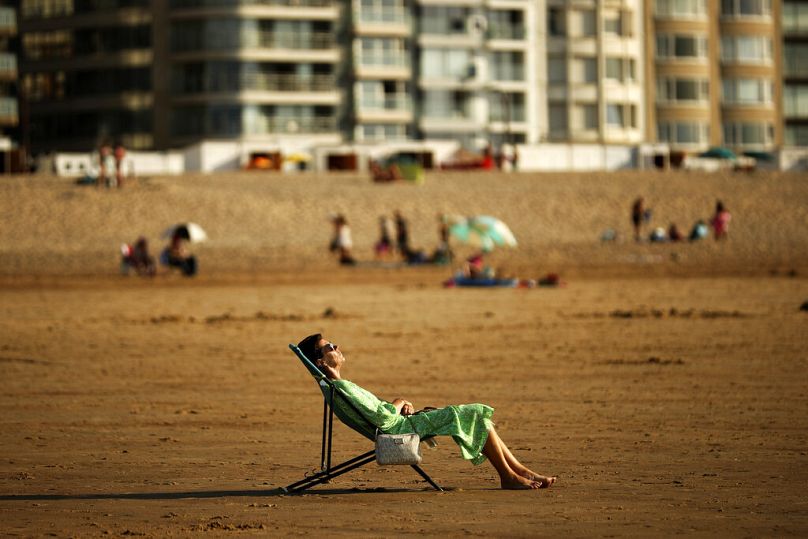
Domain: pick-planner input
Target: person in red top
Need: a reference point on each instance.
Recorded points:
(721, 221)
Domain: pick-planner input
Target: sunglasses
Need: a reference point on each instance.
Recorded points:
(327, 347)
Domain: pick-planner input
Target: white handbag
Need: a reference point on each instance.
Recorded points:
(398, 449)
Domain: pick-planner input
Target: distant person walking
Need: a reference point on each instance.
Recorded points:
(342, 242)
(402, 235)
(721, 221)
(638, 215)
(387, 232)
(106, 166)
(119, 154)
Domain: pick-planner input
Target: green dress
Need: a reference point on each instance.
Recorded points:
(467, 424)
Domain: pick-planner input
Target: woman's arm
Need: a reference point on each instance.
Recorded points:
(403, 407)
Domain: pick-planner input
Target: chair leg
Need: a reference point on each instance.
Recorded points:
(426, 477)
(327, 475)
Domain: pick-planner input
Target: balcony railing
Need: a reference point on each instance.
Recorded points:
(265, 82)
(391, 103)
(383, 59)
(8, 64)
(506, 31)
(9, 110)
(238, 3)
(382, 14)
(282, 124)
(293, 40)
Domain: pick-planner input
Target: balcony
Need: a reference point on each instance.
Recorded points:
(292, 125)
(179, 4)
(382, 15)
(293, 40)
(8, 66)
(506, 31)
(272, 82)
(9, 114)
(8, 21)
(392, 103)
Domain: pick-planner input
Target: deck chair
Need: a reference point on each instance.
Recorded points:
(335, 403)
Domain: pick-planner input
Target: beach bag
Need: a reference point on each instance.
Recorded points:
(398, 449)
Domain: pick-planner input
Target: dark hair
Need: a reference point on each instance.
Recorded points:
(309, 345)
(719, 206)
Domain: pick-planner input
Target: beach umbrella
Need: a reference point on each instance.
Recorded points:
(189, 231)
(481, 231)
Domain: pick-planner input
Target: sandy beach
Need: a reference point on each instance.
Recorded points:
(665, 384)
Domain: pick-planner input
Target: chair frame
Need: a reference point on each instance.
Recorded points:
(327, 470)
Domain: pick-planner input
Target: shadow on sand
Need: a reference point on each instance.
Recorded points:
(198, 494)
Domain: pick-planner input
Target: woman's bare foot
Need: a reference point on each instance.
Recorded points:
(543, 481)
(518, 482)
(529, 474)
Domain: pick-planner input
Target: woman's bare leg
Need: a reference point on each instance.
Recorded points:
(508, 478)
(523, 470)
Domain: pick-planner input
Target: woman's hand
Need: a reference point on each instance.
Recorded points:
(403, 407)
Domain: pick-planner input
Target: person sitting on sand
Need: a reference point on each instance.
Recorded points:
(176, 255)
(469, 425)
(476, 269)
(138, 258)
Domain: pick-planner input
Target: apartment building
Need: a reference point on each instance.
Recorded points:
(159, 75)
(713, 74)
(9, 106)
(86, 71)
(595, 80)
(795, 72)
(167, 74)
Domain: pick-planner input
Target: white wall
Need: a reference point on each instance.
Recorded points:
(575, 157)
(794, 159)
(78, 165)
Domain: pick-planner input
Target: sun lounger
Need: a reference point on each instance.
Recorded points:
(335, 403)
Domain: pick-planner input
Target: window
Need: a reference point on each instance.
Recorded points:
(617, 23)
(584, 23)
(585, 117)
(683, 133)
(748, 134)
(558, 117)
(444, 20)
(620, 69)
(796, 135)
(746, 8)
(506, 107)
(746, 49)
(681, 46)
(556, 21)
(621, 115)
(446, 64)
(585, 70)
(681, 8)
(795, 101)
(383, 132)
(507, 65)
(746, 91)
(557, 70)
(795, 16)
(673, 89)
(794, 55)
(446, 104)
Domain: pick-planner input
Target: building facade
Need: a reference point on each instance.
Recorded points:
(713, 74)
(161, 74)
(9, 104)
(795, 72)
(595, 78)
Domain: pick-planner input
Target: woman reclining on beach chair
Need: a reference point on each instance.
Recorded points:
(469, 425)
